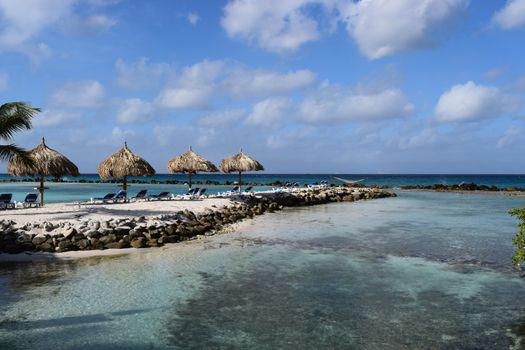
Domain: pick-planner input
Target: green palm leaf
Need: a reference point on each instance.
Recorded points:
(14, 117)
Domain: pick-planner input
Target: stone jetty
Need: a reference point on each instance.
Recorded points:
(142, 232)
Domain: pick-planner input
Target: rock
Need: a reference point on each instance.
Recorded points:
(108, 239)
(139, 242)
(69, 232)
(83, 243)
(112, 245)
(152, 243)
(65, 245)
(93, 234)
(46, 247)
(39, 239)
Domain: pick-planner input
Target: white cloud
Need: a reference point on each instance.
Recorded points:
(471, 102)
(269, 112)
(135, 110)
(278, 26)
(119, 135)
(510, 136)
(4, 81)
(291, 137)
(386, 27)
(200, 82)
(494, 73)
(55, 118)
(425, 137)
(140, 73)
(332, 105)
(242, 82)
(22, 20)
(193, 18)
(512, 16)
(222, 118)
(184, 98)
(79, 94)
(99, 22)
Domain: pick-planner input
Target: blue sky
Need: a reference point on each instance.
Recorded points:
(334, 86)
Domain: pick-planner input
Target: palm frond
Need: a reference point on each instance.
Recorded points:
(14, 153)
(15, 116)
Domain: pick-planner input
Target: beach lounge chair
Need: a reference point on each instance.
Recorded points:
(248, 190)
(199, 193)
(30, 200)
(140, 195)
(119, 197)
(231, 192)
(160, 196)
(108, 197)
(5, 201)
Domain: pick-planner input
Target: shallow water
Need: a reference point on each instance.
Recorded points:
(423, 270)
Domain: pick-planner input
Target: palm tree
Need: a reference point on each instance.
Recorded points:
(14, 117)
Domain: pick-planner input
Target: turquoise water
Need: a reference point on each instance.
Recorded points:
(73, 192)
(423, 270)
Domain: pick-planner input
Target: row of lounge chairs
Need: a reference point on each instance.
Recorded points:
(29, 201)
(120, 197)
(236, 191)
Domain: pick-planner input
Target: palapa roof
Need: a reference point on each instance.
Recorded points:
(125, 163)
(240, 162)
(48, 162)
(190, 162)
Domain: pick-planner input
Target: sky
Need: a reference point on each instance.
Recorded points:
(303, 86)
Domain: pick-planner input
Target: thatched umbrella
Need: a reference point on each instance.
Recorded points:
(48, 162)
(123, 164)
(190, 162)
(240, 162)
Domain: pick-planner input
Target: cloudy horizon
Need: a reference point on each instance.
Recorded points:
(304, 86)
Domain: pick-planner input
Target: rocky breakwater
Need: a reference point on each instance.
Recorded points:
(142, 232)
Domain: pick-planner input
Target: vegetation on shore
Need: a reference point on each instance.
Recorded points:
(519, 238)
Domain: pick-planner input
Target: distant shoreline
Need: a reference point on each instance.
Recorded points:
(464, 187)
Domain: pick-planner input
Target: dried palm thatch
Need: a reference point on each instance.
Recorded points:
(123, 164)
(47, 162)
(240, 163)
(190, 162)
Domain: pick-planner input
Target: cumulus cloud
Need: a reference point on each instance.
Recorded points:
(222, 118)
(135, 110)
(380, 27)
(512, 16)
(193, 18)
(333, 105)
(200, 82)
(472, 102)
(55, 118)
(425, 137)
(22, 20)
(386, 27)
(278, 26)
(510, 136)
(269, 112)
(79, 94)
(4, 81)
(141, 73)
(184, 98)
(242, 82)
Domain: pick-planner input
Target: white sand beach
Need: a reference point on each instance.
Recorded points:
(62, 212)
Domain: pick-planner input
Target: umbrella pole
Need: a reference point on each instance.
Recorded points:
(189, 182)
(125, 187)
(240, 183)
(41, 189)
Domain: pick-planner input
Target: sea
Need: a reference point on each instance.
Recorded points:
(423, 270)
(87, 186)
